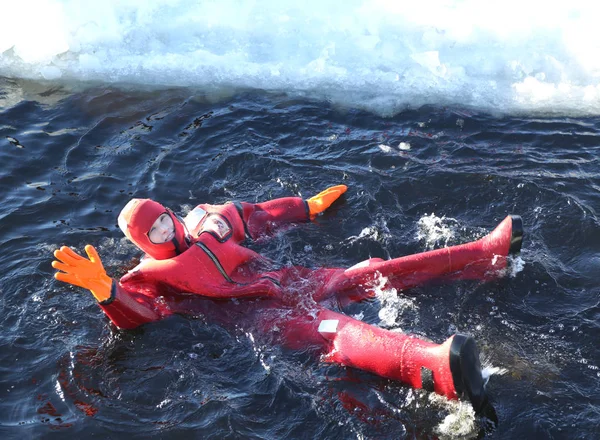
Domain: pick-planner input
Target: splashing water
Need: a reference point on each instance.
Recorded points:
(516, 265)
(436, 231)
(490, 371)
(459, 423)
(392, 305)
(377, 232)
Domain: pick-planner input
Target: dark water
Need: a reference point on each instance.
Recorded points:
(71, 160)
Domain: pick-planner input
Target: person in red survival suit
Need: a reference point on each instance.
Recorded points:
(202, 255)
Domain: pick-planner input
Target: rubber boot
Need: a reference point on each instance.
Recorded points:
(451, 369)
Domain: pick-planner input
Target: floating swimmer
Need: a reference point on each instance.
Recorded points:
(202, 255)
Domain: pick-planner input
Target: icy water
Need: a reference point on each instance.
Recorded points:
(421, 179)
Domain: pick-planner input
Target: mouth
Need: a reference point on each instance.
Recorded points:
(170, 236)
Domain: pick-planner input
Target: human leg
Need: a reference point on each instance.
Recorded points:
(451, 369)
(482, 259)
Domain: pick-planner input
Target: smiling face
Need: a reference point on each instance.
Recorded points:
(163, 229)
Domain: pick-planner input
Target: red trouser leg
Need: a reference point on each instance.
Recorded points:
(451, 369)
(481, 259)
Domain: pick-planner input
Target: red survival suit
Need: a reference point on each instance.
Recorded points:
(205, 258)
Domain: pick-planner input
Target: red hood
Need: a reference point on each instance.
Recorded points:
(136, 219)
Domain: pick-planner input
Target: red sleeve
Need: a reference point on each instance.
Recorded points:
(266, 218)
(128, 309)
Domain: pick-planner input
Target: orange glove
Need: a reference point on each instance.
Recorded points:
(324, 199)
(77, 270)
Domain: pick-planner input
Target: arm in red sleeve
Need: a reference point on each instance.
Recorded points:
(128, 309)
(266, 218)
(125, 308)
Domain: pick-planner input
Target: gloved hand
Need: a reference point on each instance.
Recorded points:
(79, 271)
(324, 199)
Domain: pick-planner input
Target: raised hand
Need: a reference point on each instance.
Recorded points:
(324, 199)
(79, 271)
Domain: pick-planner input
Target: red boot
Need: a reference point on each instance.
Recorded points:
(451, 369)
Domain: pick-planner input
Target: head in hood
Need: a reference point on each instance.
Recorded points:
(148, 225)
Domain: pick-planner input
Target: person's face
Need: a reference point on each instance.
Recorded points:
(162, 230)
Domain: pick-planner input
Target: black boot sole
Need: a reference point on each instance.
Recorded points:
(466, 371)
(516, 237)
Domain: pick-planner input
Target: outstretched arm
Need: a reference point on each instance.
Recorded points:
(265, 218)
(125, 309)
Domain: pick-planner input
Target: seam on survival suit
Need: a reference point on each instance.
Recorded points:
(215, 260)
(240, 211)
(273, 280)
(220, 268)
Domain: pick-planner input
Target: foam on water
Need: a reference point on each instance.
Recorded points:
(392, 305)
(436, 231)
(460, 422)
(377, 232)
(511, 56)
(517, 264)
